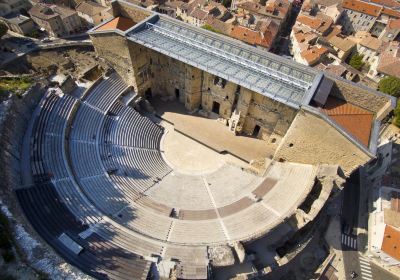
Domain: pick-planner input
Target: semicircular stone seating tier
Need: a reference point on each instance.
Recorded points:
(100, 179)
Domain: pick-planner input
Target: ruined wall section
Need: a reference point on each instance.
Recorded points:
(312, 140)
(114, 49)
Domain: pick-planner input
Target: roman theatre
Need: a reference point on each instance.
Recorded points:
(193, 147)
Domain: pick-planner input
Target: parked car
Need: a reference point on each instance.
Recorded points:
(46, 40)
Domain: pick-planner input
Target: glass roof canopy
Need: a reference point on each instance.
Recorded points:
(260, 71)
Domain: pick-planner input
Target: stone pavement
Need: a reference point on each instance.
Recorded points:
(211, 133)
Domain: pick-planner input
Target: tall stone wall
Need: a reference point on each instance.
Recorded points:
(114, 49)
(127, 10)
(312, 140)
(273, 117)
(193, 82)
(169, 76)
(222, 92)
(141, 76)
(359, 96)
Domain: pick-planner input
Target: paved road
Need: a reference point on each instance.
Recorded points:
(382, 274)
(353, 260)
(349, 213)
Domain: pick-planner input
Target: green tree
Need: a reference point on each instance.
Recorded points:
(3, 29)
(396, 120)
(227, 3)
(356, 61)
(209, 28)
(390, 85)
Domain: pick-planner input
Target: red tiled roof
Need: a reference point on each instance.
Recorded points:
(319, 22)
(120, 23)
(391, 242)
(362, 7)
(390, 12)
(355, 120)
(254, 37)
(394, 24)
(313, 54)
(387, 3)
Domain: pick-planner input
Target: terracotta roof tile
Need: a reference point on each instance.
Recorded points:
(391, 242)
(389, 65)
(254, 37)
(390, 12)
(120, 23)
(353, 119)
(362, 7)
(387, 3)
(313, 54)
(319, 23)
(394, 24)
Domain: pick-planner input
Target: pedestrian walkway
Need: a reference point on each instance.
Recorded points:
(349, 241)
(366, 272)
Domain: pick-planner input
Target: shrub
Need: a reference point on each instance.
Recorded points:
(3, 29)
(390, 85)
(6, 277)
(5, 235)
(4, 240)
(356, 61)
(396, 120)
(15, 85)
(210, 28)
(8, 256)
(34, 34)
(227, 3)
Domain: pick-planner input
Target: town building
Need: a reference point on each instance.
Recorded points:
(14, 6)
(19, 23)
(385, 231)
(196, 12)
(263, 36)
(342, 46)
(274, 9)
(330, 8)
(56, 20)
(366, 16)
(92, 13)
(312, 55)
(370, 48)
(319, 24)
(391, 31)
(358, 16)
(387, 63)
(169, 8)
